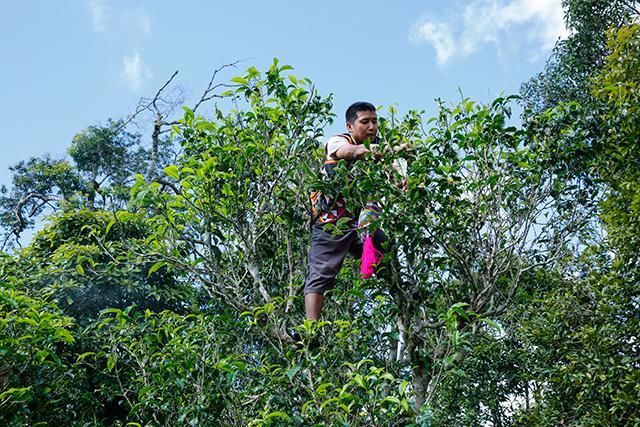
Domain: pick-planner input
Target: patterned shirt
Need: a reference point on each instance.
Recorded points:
(325, 208)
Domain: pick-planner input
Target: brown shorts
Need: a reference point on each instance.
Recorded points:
(327, 254)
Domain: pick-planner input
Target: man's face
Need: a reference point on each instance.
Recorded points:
(364, 127)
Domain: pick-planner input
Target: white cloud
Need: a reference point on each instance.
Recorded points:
(143, 22)
(99, 15)
(130, 19)
(134, 71)
(512, 23)
(439, 35)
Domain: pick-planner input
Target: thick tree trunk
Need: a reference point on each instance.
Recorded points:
(420, 381)
(393, 346)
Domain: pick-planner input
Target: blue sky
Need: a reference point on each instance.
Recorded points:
(68, 65)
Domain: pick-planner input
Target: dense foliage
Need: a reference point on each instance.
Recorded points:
(510, 295)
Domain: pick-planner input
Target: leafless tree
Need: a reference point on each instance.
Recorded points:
(163, 104)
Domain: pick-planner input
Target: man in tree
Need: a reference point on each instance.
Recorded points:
(327, 251)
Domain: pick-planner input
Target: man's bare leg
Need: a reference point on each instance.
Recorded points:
(313, 305)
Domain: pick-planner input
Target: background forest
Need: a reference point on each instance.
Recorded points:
(164, 283)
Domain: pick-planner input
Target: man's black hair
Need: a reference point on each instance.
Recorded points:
(352, 112)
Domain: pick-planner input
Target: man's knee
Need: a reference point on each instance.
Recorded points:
(318, 284)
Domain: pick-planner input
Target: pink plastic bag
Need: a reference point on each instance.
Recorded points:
(370, 258)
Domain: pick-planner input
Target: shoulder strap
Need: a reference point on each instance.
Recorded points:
(348, 137)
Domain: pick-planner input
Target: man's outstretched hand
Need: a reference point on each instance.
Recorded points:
(405, 146)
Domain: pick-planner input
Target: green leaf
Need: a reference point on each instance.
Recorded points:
(322, 388)
(491, 323)
(16, 393)
(280, 415)
(226, 189)
(111, 224)
(328, 402)
(387, 376)
(343, 222)
(65, 336)
(172, 171)
(84, 356)
(291, 372)
(392, 399)
(306, 405)
(239, 80)
(359, 380)
(111, 362)
(241, 366)
(155, 267)
(204, 125)
(115, 311)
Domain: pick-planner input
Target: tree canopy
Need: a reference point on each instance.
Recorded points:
(164, 288)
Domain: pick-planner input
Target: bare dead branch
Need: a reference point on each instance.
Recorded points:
(207, 94)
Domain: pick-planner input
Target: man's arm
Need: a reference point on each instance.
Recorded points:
(355, 152)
